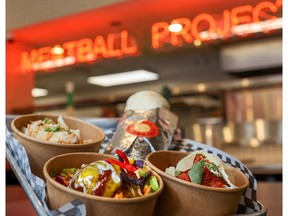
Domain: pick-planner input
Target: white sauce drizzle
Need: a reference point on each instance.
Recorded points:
(99, 167)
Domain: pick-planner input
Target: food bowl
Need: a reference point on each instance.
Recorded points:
(181, 197)
(58, 195)
(39, 151)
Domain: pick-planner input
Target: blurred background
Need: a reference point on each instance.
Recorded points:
(218, 63)
(222, 73)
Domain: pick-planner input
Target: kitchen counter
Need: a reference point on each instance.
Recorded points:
(263, 160)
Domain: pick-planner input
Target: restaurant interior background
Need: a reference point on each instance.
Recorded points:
(222, 73)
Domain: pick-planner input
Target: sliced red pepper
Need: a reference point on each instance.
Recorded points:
(122, 155)
(123, 165)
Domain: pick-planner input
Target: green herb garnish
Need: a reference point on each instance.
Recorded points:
(46, 120)
(47, 129)
(214, 169)
(196, 172)
(52, 173)
(56, 129)
(68, 172)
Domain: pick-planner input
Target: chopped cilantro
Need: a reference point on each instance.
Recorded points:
(214, 169)
(47, 129)
(46, 120)
(56, 129)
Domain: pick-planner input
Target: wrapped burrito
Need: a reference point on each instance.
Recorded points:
(147, 125)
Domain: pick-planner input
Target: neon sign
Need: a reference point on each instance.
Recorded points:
(81, 51)
(241, 20)
(238, 21)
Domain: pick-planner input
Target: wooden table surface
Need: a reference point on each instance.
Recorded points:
(268, 193)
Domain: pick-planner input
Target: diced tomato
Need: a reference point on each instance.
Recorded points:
(62, 181)
(198, 158)
(211, 180)
(184, 176)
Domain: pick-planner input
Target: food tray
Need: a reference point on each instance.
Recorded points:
(109, 125)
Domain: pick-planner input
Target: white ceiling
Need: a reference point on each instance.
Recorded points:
(29, 12)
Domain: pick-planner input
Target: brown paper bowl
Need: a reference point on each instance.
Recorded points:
(58, 195)
(39, 151)
(180, 197)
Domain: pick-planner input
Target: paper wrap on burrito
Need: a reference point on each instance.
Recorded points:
(140, 132)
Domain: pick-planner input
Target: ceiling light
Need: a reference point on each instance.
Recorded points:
(176, 90)
(38, 92)
(176, 27)
(201, 87)
(245, 82)
(123, 78)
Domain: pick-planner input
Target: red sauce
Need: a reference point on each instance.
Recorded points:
(103, 178)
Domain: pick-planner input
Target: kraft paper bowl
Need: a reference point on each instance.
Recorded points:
(39, 151)
(58, 195)
(180, 197)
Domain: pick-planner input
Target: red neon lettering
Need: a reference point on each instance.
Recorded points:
(184, 32)
(259, 13)
(124, 44)
(112, 45)
(214, 27)
(28, 60)
(237, 18)
(84, 50)
(100, 47)
(69, 47)
(278, 3)
(44, 54)
(121, 43)
(224, 32)
(159, 33)
(196, 23)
